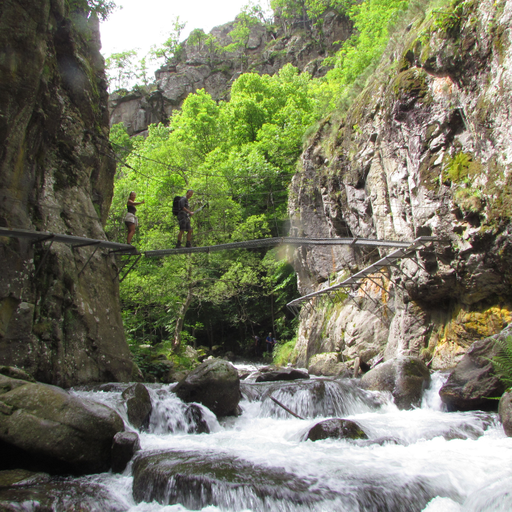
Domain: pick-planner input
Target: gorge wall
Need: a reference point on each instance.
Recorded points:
(204, 63)
(424, 150)
(56, 175)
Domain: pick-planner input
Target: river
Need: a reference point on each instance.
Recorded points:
(424, 459)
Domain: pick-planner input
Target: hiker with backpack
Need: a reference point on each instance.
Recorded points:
(184, 214)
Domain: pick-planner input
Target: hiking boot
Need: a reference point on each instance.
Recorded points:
(178, 245)
(188, 244)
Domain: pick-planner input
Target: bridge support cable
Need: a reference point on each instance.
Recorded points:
(357, 279)
(74, 241)
(273, 242)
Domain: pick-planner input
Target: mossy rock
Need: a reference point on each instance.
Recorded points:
(336, 428)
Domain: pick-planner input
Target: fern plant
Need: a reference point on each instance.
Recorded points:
(502, 362)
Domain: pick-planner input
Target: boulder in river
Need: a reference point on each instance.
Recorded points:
(336, 428)
(405, 377)
(45, 495)
(45, 428)
(198, 479)
(214, 384)
(278, 374)
(138, 405)
(473, 382)
(124, 447)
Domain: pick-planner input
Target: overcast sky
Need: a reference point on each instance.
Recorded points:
(142, 23)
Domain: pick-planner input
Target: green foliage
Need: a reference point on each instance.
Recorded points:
(449, 18)
(307, 12)
(285, 353)
(238, 157)
(103, 8)
(457, 168)
(502, 362)
(120, 69)
(172, 46)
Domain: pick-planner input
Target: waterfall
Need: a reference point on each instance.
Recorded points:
(425, 459)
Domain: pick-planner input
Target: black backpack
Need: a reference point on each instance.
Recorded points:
(176, 205)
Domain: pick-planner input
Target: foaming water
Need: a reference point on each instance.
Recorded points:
(420, 460)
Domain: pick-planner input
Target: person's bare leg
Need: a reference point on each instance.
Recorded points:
(131, 232)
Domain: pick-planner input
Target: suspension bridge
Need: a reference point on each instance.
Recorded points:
(404, 249)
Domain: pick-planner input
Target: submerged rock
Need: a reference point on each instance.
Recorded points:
(214, 384)
(138, 405)
(336, 428)
(405, 377)
(197, 480)
(44, 428)
(473, 382)
(60, 495)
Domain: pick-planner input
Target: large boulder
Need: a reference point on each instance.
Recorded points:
(505, 412)
(327, 364)
(215, 384)
(404, 377)
(199, 479)
(473, 383)
(44, 428)
(336, 428)
(138, 405)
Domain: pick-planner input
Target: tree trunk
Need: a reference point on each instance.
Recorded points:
(181, 315)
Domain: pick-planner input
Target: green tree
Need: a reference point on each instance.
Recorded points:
(240, 35)
(120, 69)
(172, 46)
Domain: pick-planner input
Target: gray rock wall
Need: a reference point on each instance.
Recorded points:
(206, 66)
(56, 175)
(424, 150)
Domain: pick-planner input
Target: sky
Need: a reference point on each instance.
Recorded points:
(143, 23)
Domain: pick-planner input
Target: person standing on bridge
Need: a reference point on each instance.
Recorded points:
(131, 220)
(184, 215)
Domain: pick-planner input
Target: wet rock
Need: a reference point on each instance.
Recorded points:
(197, 480)
(473, 380)
(197, 423)
(22, 478)
(60, 495)
(44, 428)
(327, 365)
(281, 374)
(316, 397)
(138, 405)
(214, 384)
(405, 377)
(124, 447)
(16, 373)
(336, 428)
(505, 412)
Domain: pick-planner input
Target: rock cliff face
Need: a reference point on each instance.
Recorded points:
(62, 326)
(203, 64)
(424, 150)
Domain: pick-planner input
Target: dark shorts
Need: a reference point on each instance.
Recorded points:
(184, 221)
